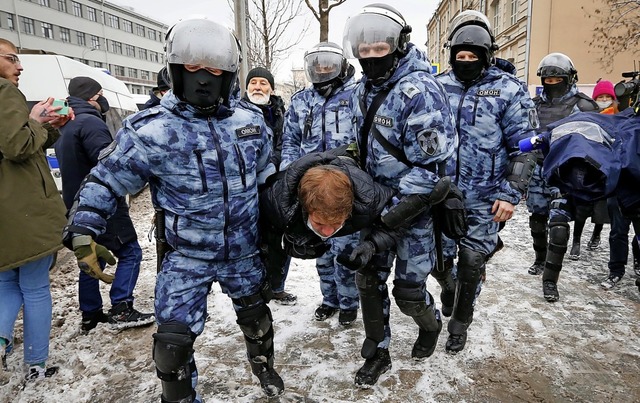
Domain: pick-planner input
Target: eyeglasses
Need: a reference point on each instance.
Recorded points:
(11, 57)
(195, 67)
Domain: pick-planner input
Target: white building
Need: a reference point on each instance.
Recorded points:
(94, 32)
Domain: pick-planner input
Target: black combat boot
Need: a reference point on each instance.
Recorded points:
(426, 343)
(373, 367)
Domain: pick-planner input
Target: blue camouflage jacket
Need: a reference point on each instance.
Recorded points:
(314, 123)
(492, 116)
(415, 117)
(202, 171)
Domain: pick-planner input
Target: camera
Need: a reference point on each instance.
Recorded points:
(64, 104)
(627, 91)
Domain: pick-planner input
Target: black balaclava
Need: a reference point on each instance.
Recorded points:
(468, 71)
(203, 89)
(554, 91)
(379, 69)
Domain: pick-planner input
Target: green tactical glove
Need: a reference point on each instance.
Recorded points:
(88, 252)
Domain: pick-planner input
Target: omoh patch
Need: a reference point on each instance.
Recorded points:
(107, 150)
(248, 131)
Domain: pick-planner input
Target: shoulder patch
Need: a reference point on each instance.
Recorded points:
(383, 121)
(409, 90)
(488, 93)
(247, 131)
(428, 142)
(107, 150)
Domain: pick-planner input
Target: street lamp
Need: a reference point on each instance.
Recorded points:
(84, 52)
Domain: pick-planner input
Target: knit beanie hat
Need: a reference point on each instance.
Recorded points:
(260, 72)
(84, 87)
(603, 87)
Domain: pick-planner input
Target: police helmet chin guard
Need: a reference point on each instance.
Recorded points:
(557, 65)
(324, 63)
(189, 42)
(377, 27)
(472, 37)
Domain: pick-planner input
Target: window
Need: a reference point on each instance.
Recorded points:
(127, 26)
(10, 22)
(82, 40)
(113, 21)
(95, 42)
(27, 25)
(47, 30)
(133, 73)
(144, 74)
(116, 47)
(130, 50)
(153, 56)
(118, 70)
(152, 34)
(97, 64)
(514, 11)
(140, 30)
(62, 5)
(77, 8)
(44, 3)
(91, 14)
(495, 9)
(142, 53)
(65, 34)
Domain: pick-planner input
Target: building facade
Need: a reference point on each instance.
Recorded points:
(103, 35)
(528, 30)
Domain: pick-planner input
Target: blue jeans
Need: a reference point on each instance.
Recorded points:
(28, 286)
(126, 275)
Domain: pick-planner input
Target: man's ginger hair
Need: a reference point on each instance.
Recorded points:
(327, 192)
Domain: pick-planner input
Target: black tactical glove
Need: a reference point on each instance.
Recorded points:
(307, 250)
(359, 257)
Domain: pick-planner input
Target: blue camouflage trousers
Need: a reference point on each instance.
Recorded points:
(184, 283)
(337, 283)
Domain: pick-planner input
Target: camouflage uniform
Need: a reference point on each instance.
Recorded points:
(416, 118)
(314, 123)
(204, 174)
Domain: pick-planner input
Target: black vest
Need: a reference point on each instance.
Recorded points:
(552, 112)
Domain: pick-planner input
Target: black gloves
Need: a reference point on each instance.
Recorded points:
(309, 250)
(359, 256)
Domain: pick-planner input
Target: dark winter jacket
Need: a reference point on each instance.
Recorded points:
(279, 202)
(31, 211)
(273, 114)
(77, 151)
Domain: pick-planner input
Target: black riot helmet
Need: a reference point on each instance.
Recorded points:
(197, 45)
(558, 65)
(474, 38)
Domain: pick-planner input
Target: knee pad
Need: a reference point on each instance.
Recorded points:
(411, 299)
(558, 239)
(538, 224)
(173, 354)
(444, 274)
(255, 322)
(371, 304)
(470, 265)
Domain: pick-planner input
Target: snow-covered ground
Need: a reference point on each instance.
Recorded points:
(584, 348)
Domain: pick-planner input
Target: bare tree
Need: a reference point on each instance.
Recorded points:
(617, 29)
(271, 32)
(322, 15)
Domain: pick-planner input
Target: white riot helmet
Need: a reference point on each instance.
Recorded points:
(324, 62)
(205, 44)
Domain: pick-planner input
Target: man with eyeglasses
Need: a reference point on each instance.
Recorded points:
(32, 216)
(203, 158)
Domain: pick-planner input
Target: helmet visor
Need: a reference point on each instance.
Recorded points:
(322, 66)
(555, 65)
(203, 43)
(370, 35)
